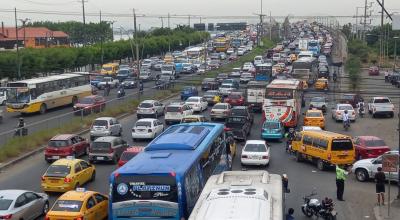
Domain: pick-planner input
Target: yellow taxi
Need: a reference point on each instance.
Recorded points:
(321, 84)
(67, 174)
(314, 117)
(216, 99)
(79, 204)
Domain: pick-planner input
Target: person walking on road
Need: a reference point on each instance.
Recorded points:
(380, 186)
(289, 215)
(341, 174)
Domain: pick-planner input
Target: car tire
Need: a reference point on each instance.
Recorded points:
(391, 115)
(43, 109)
(361, 175)
(45, 208)
(299, 157)
(93, 177)
(321, 165)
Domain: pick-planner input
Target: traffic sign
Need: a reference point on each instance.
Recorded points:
(390, 163)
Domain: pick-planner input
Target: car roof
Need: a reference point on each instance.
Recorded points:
(76, 195)
(342, 104)
(176, 104)
(104, 118)
(148, 101)
(11, 193)
(147, 119)
(255, 142)
(314, 110)
(197, 97)
(134, 149)
(239, 107)
(221, 103)
(62, 137)
(193, 116)
(105, 139)
(368, 137)
(90, 96)
(67, 162)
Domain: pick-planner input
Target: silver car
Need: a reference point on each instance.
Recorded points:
(22, 204)
(150, 109)
(107, 149)
(320, 103)
(220, 110)
(105, 126)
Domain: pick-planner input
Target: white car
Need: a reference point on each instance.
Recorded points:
(311, 128)
(247, 66)
(226, 89)
(176, 111)
(110, 81)
(241, 52)
(365, 169)
(197, 103)
(338, 111)
(255, 152)
(258, 60)
(246, 77)
(230, 51)
(220, 110)
(147, 128)
(150, 109)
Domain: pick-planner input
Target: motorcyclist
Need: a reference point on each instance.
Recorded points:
(290, 137)
(361, 106)
(327, 204)
(20, 127)
(140, 87)
(121, 89)
(334, 76)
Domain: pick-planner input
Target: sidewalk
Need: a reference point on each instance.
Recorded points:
(381, 212)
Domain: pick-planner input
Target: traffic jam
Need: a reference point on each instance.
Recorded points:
(206, 153)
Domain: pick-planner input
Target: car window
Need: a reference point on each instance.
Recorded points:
(100, 198)
(255, 148)
(90, 203)
(84, 165)
(375, 143)
(154, 123)
(21, 201)
(31, 196)
(78, 168)
(5, 204)
(111, 122)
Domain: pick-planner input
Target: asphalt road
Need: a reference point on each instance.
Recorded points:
(303, 177)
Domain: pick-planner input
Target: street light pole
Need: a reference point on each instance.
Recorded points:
(395, 53)
(398, 128)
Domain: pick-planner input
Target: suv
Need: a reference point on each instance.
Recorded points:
(188, 91)
(381, 106)
(65, 145)
(243, 111)
(105, 126)
(350, 98)
(366, 168)
(176, 111)
(150, 109)
(107, 149)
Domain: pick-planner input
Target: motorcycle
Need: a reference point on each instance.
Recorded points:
(334, 77)
(289, 146)
(20, 132)
(313, 206)
(120, 93)
(346, 125)
(361, 111)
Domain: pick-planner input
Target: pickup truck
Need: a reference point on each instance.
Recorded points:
(381, 106)
(111, 81)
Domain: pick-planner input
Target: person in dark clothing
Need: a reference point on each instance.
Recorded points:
(341, 174)
(289, 215)
(380, 185)
(285, 182)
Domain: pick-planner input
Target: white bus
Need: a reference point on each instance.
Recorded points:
(241, 195)
(43, 93)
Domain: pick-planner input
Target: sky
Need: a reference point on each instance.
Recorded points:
(181, 7)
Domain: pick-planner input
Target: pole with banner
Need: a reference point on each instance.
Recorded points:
(390, 163)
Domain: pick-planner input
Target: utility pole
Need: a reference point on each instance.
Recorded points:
(381, 43)
(365, 19)
(23, 25)
(169, 27)
(16, 36)
(270, 25)
(162, 22)
(189, 20)
(84, 22)
(136, 42)
(261, 22)
(101, 43)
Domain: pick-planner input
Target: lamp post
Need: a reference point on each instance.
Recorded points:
(23, 25)
(398, 128)
(380, 37)
(395, 53)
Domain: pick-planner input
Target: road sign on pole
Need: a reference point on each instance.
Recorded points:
(396, 22)
(390, 163)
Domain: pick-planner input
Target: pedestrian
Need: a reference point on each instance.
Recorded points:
(341, 174)
(289, 215)
(386, 76)
(285, 182)
(380, 185)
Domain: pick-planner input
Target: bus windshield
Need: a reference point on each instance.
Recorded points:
(18, 95)
(160, 190)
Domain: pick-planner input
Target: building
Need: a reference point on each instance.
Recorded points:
(34, 37)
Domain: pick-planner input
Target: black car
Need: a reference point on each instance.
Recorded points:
(240, 126)
(164, 82)
(129, 83)
(243, 111)
(222, 76)
(394, 78)
(209, 84)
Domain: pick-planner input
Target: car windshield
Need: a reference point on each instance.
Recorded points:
(67, 206)
(375, 143)
(218, 106)
(5, 203)
(87, 100)
(381, 101)
(345, 107)
(101, 145)
(227, 86)
(128, 155)
(107, 68)
(59, 143)
(271, 125)
(314, 114)
(143, 123)
(208, 93)
(255, 148)
(173, 109)
(145, 105)
(192, 99)
(234, 96)
(239, 111)
(247, 75)
(190, 119)
(123, 72)
(318, 99)
(351, 97)
(234, 120)
(100, 123)
(342, 144)
(58, 170)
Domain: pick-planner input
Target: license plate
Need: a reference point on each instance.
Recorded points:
(100, 158)
(53, 181)
(55, 157)
(254, 157)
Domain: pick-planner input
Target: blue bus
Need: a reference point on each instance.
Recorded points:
(166, 179)
(313, 45)
(263, 72)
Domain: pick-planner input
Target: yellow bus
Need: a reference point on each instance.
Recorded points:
(41, 94)
(221, 44)
(109, 68)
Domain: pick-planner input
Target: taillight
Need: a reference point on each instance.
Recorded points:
(353, 113)
(244, 156)
(79, 218)
(338, 113)
(6, 216)
(67, 180)
(47, 218)
(329, 156)
(265, 157)
(153, 109)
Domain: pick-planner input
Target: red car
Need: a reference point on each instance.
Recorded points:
(233, 57)
(64, 145)
(235, 99)
(369, 147)
(373, 71)
(128, 154)
(89, 104)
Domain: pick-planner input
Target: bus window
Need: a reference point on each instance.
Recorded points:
(193, 188)
(341, 144)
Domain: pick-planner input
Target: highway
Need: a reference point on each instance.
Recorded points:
(303, 177)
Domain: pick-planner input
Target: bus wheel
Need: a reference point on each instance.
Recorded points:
(74, 100)
(43, 109)
(321, 165)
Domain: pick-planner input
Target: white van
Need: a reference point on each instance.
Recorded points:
(258, 60)
(241, 195)
(3, 96)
